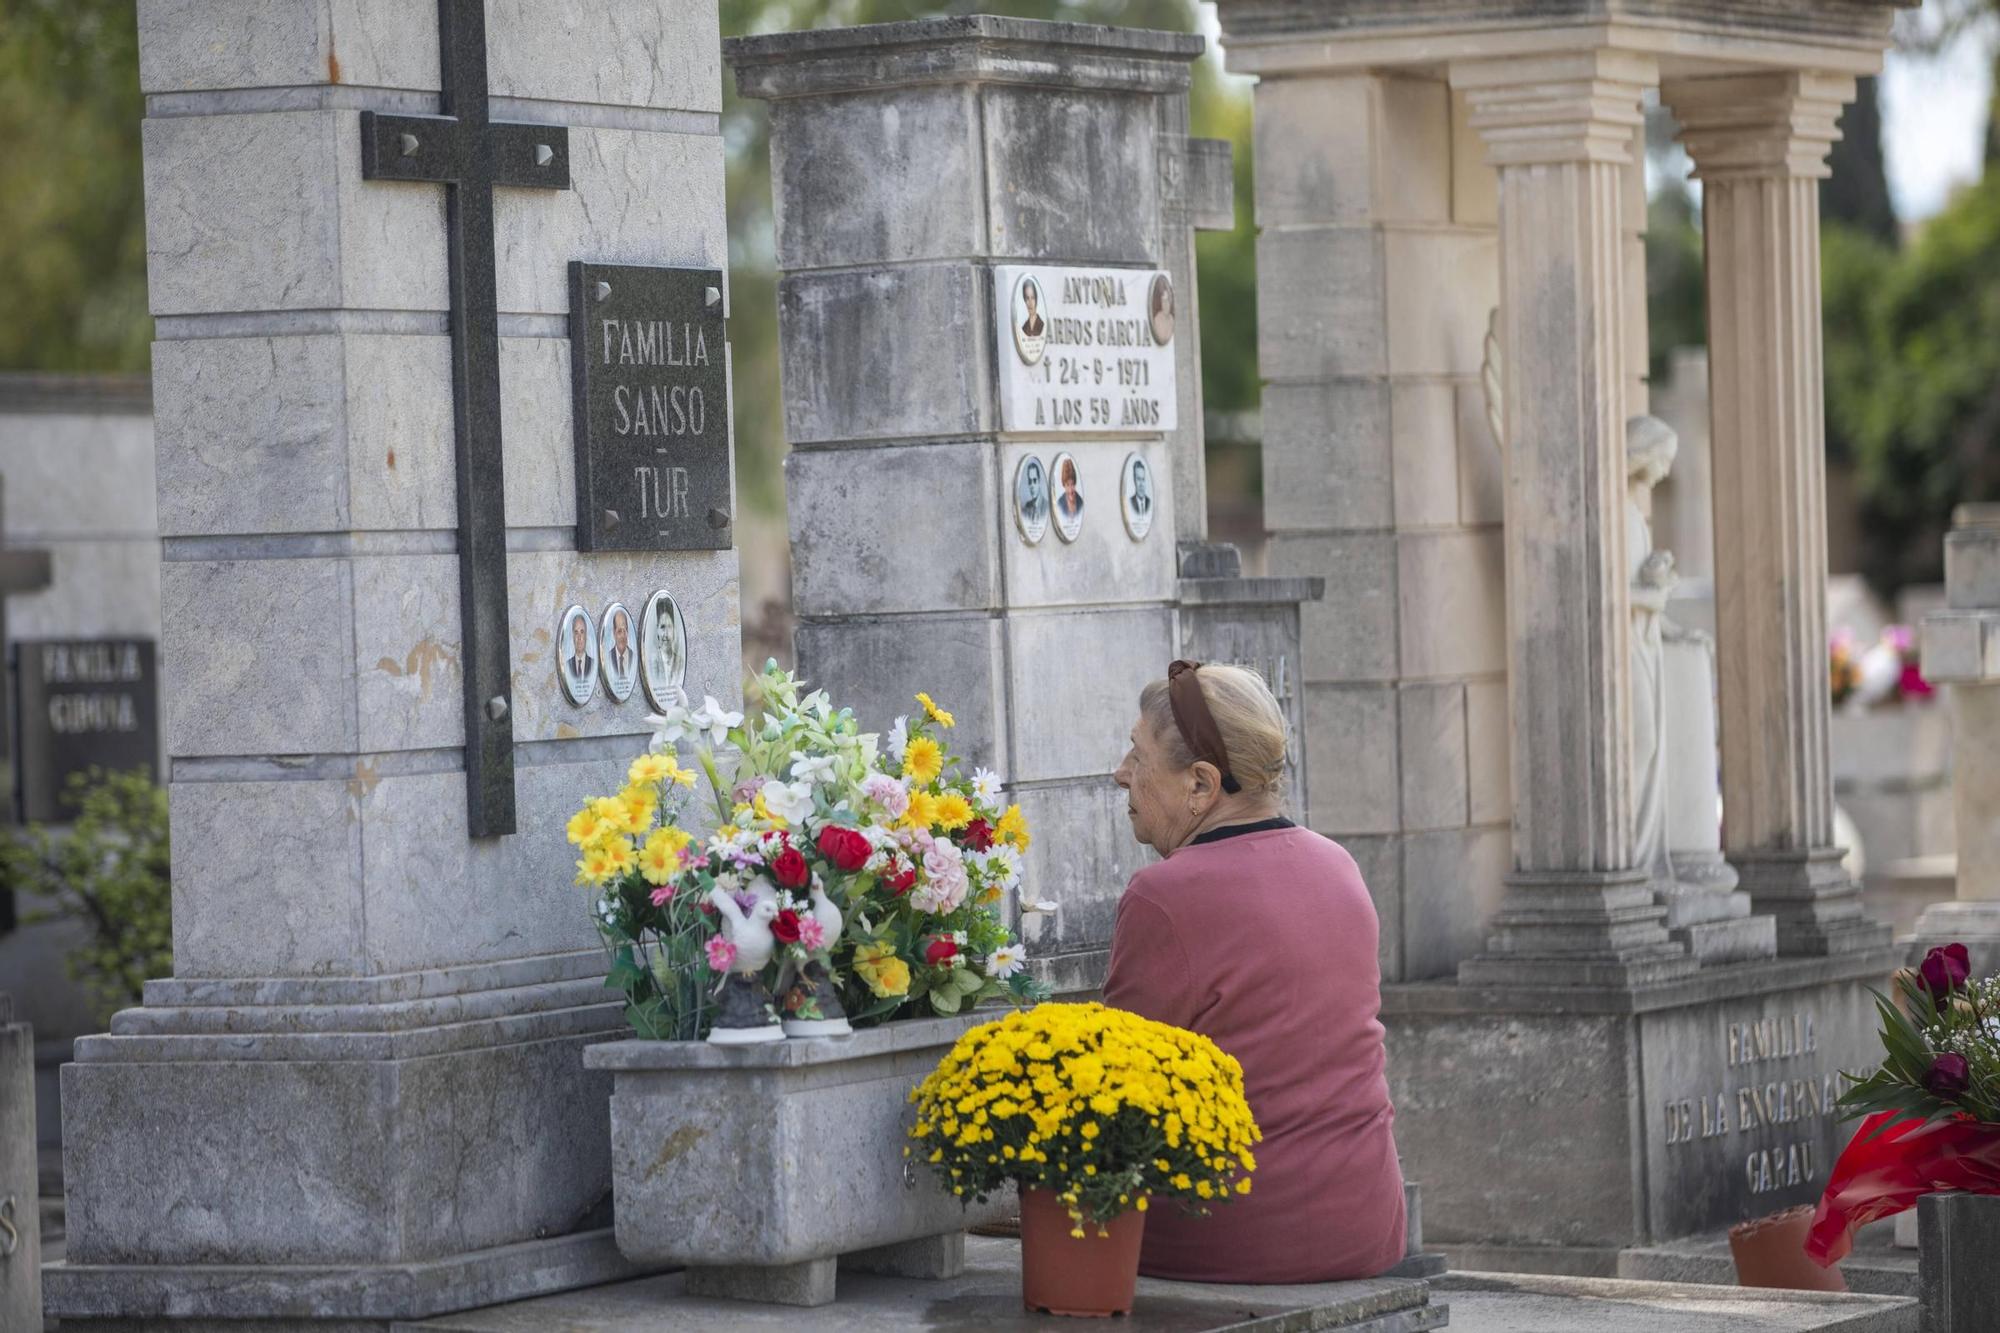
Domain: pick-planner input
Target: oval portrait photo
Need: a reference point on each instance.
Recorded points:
(1135, 496)
(662, 650)
(1068, 497)
(1160, 305)
(576, 655)
(1031, 499)
(618, 649)
(1031, 325)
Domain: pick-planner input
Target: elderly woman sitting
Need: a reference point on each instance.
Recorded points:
(1260, 935)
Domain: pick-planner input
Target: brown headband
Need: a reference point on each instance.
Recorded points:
(1196, 723)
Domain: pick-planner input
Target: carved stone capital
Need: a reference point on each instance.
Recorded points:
(1775, 123)
(1567, 106)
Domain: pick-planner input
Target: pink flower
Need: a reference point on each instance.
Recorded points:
(887, 792)
(812, 934)
(721, 953)
(663, 895)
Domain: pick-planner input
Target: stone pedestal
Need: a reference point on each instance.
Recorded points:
(910, 161)
(1961, 647)
(1646, 1115)
(20, 1194)
(1958, 1287)
(361, 1097)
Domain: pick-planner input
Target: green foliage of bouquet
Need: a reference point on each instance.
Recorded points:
(1941, 1039)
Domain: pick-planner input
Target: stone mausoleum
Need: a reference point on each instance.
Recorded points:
(1452, 326)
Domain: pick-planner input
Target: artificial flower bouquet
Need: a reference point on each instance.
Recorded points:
(1889, 672)
(820, 882)
(1105, 1110)
(1932, 1108)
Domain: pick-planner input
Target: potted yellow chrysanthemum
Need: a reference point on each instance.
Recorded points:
(1095, 1113)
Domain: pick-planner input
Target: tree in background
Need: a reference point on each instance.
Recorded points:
(72, 213)
(1857, 194)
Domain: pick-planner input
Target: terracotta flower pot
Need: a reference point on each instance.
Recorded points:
(1093, 1275)
(1771, 1252)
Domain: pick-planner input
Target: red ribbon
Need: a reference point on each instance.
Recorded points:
(1879, 1175)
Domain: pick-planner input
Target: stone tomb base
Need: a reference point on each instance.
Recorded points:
(334, 1155)
(1557, 1126)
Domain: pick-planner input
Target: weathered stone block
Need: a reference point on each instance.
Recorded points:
(535, 429)
(126, 573)
(1962, 646)
(1327, 456)
(1320, 303)
(237, 678)
(197, 45)
(1424, 431)
(1071, 176)
(305, 1161)
(1103, 565)
(1082, 856)
(1452, 603)
(267, 877)
(877, 177)
(1452, 885)
(1414, 129)
(407, 635)
(1379, 858)
(853, 372)
(635, 197)
(1490, 797)
(1433, 745)
(21, 1260)
(1444, 284)
(1957, 1236)
(1350, 634)
(876, 667)
(1352, 752)
(268, 211)
(775, 1155)
(1475, 187)
(56, 463)
(1065, 723)
(857, 548)
(652, 56)
(1315, 150)
(1972, 568)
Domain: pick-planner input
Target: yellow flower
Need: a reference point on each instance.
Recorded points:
(1013, 828)
(885, 973)
(762, 811)
(640, 805)
(923, 760)
(922, 812)
(936, 714)
(953, 811)
(660, 858)
(727, 831)
(587, 825)
(651, 768)
(597, 864)
(622, 854)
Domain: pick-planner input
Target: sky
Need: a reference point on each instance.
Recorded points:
(1933, 121)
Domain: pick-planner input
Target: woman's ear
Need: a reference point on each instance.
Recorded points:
(1206, 780)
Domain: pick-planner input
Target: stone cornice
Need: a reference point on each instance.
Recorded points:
(977, 48)
(1565, 107)
(1771, 124)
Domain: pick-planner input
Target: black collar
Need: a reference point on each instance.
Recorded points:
(1238, 830)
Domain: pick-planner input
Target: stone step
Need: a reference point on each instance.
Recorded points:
(1741, 940)
(1878, 1266)
(1535, 1303)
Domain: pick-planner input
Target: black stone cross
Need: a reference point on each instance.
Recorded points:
(470, 155)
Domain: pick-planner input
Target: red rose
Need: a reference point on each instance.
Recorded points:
(847, 848)
(900, 878)
(789, 869)
(1949, 1075)
(940, 950)
(1944, 970)
(979, 836)
(785, 926)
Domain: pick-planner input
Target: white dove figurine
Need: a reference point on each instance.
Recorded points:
(828, 917)
(750, 933)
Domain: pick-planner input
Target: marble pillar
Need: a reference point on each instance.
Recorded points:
(1961, 648)
(1759, 143)
(1559, 128)
(360, 1099)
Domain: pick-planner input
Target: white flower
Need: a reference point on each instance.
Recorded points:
(818, 704)
(714, 719)
(669, 727)
(986, 786)
(814, 769)
(1006, 961)
(899, 738)
(789, 801)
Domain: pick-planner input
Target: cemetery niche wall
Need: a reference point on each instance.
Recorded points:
(1575, 1010)
(361, 1098)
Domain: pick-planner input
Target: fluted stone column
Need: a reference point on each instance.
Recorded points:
(1962, 649)
(1759, 144)
(1560, 129)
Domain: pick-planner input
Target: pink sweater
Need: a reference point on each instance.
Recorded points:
(1265, 943)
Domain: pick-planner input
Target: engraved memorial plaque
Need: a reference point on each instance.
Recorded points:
(649, 372)
(1085, 351)
(84, 703)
